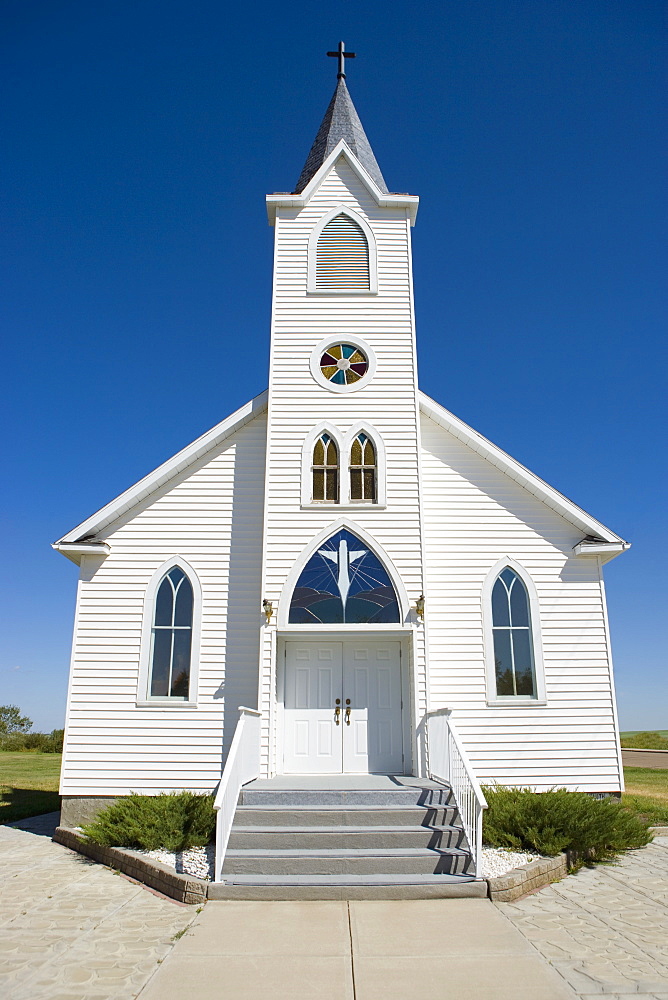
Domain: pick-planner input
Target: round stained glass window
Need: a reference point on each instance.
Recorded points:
(343, 364)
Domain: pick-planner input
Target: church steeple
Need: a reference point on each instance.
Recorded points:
(341, 121)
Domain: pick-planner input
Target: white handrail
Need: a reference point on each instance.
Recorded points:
(448, 762)
(242, 765)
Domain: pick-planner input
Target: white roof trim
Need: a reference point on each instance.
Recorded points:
(126, 501)
(515, 470)
(610, 549)
(75, 550)
(610, 544)
(408, 201)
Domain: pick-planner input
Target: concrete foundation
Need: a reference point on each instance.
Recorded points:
(75, 810)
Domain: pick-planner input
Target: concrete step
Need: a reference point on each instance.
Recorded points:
(400, 797)
(337, 837)
(383, 886)
(348, 816)
(406, 861)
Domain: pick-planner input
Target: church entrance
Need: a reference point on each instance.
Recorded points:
(343, 707)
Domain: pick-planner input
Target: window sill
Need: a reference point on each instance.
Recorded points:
(518, 702)
(343, 506)
(166, 703)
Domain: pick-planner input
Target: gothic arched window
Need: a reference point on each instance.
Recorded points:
(514, 662)
(325, 469)
(171, 644)
(342, 255)
(344, 582)
(363, 469)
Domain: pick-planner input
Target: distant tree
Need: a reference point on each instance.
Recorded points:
(11, 720)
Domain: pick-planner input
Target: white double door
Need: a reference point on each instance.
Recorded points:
(342, 707)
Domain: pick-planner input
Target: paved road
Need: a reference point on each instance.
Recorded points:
(73, 930)
(656, 759)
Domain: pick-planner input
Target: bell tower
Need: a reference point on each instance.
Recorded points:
(343, 431)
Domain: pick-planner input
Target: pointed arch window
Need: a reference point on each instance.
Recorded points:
(171, 640)
(344, 582)
(342, 256)
(363, 470)
(325, 469)
(514, 656)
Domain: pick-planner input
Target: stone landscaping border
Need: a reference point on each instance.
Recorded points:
(186, 889)
(154, 874)
(527, 878)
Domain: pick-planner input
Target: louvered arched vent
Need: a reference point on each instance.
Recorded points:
(342, 256)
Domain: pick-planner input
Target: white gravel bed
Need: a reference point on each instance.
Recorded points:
(499, 860)
(198, 861)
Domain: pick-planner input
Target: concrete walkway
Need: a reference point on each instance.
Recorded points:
(372, 950)
(73, 930)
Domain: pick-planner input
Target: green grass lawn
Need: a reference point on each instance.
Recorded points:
(647, 793)
(634, 732)
(28, 784)
(652, 740)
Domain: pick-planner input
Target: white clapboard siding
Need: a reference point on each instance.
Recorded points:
(474, 516)
(212, 517)
(297, 402)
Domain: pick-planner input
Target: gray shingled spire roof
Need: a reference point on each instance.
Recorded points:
(341, 121)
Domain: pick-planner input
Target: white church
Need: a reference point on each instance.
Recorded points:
(369, 577)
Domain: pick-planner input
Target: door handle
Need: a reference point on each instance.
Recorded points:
(337, 712)
(348, 715)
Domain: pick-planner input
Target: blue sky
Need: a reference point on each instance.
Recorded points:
(139, 141)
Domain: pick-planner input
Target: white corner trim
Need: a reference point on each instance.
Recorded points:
(512, 701)
(143, 697)
(313, 254)
(178, 463)
(307, 462)
(315, 543)
(343, 338)
(515, 470)
(406, 201)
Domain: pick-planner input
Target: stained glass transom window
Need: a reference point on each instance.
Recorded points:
(363, 469)
(343, 364)
(344, 582)
(513, 641)
(325, 469)
(172, 637)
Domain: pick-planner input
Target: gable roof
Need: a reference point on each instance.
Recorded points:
(284, 199)
(341, 121)
(523, 476)
(598, 540)
(86, 531)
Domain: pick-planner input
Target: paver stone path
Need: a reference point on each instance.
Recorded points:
(71, 929)
(606, 928)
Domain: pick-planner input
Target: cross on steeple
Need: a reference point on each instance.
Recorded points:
(342, 56)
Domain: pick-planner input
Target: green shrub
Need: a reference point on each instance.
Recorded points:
(645, 741)
(173, 821)
(39, 742)
(558, 820)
